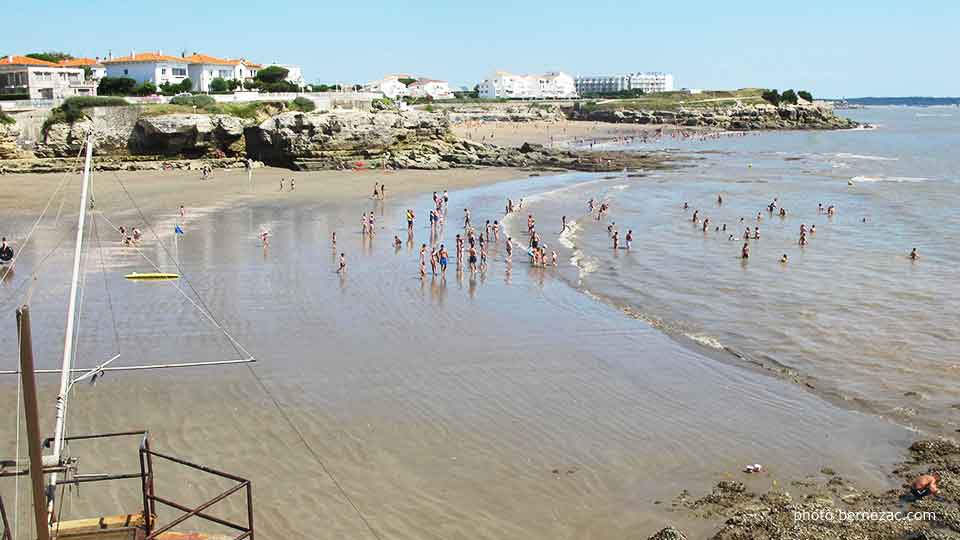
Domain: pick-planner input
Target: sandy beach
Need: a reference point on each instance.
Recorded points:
(498, 405)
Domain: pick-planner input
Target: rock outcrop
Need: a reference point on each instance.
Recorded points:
(504, 113)
(339, 139)
(9, 149)
(740, 118)
(190, 135)
(405, 140)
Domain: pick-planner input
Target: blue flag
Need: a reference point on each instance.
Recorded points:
(178, 230)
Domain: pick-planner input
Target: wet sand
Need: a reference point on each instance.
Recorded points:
(504, 405)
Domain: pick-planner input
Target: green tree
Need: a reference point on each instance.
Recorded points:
(50, 56)
(771, 96)
(185, 85)
(145, 89)
(233, 84)
(805, 95)
(789, 96)
(303, 104)
(116, 86)
(218, 85)
(407, 81)
(272, 74)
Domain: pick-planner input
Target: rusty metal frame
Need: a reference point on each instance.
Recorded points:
(7, 535)
(149, 497)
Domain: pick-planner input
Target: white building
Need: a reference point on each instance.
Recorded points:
(390, 86)
(553, 85)
(151, 66)
(39, 79)
(203, 69)
(245, 70)
(430, 88)
(96, 67)
(294, 74)
(649, 83)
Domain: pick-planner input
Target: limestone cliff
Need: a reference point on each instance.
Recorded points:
(742, 117)
(8, 142)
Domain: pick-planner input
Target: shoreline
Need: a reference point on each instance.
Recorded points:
(329, 188)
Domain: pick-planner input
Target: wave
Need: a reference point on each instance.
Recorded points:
(856, 179)
(846, 155)
(567, 236)
(707, 341)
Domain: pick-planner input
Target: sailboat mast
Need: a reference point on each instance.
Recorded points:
(71, 314)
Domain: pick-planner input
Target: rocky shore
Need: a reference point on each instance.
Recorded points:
(736, 118)
(130, 138)
(826, 506)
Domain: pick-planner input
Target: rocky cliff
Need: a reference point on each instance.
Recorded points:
(8, 142)
(503, 112)
(405, 140)
(743, 117)
(122, 131)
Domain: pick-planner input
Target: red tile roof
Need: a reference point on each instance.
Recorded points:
(80, 62)
(145, 57)
(207, 59)
(25, 61)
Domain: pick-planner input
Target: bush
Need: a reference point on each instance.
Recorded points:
(116, 86)
(789, 96)
(50, 56)
(72, 109)
(6, 118)
(272, 74)
(199, 102)
(282, 86)
(805, 95)
(303, 104)
(218, 85)
(771, 96)
(168, 89)
(14, 97)
(145, 89)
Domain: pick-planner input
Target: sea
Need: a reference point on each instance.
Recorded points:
(849, 315)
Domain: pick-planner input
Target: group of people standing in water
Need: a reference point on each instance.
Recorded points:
(774, 208)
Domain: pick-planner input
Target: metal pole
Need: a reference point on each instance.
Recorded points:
(33, 423)
(71, 315)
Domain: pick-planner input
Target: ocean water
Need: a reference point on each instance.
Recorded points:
(850, 316)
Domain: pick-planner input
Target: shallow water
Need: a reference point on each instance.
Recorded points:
(440, 407)
(850, 313)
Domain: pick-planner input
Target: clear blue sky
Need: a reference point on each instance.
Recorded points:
(833, 48)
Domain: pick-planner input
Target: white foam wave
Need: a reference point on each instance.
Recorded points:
(856, 179)
(846, 155)
(567, 236)
(706, 341)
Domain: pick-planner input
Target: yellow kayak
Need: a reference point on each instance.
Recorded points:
(152, 275)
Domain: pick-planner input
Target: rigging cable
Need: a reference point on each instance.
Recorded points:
(253, 372)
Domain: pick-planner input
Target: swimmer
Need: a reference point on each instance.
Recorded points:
(333, 239)
(745, 251)
(397, 243)
(784, 259)
(629, 238)
(925, 484)
(914, 255)
(343, 264)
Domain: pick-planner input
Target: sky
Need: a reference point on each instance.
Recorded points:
(840, 48)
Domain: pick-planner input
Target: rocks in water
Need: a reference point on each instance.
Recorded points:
(742, 118)
(669, 533)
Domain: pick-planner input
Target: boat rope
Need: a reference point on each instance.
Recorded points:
(202, 306)
(106, 285)
(314, 454)
(36, 223)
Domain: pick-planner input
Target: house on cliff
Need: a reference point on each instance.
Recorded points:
(553, 85)
(430, 88)
(39, 79)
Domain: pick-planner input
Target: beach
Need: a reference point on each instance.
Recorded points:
(558, 134)
(500, 405)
